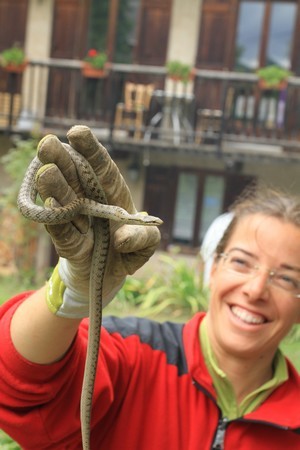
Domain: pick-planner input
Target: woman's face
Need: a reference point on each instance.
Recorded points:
(248, 316)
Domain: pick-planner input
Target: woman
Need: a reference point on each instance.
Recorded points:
(218, 381)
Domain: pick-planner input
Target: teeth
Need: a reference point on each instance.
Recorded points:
(245, 316)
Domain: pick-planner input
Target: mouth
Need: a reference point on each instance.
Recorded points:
(247, 317)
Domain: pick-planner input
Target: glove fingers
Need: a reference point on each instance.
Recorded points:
(136, 244)
(51, 150)
(132, 238)
(51, 183)
(71, 243)
(134, 261)
(83, 140)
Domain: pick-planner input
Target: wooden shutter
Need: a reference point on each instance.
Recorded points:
(69, 39)
(13, 17)
(217, 32)
(153, 32)
(69, 35)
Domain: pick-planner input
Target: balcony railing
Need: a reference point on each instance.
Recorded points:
(217, 111)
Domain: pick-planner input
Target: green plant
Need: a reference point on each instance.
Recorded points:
(179, 70)
(96, 59)
(273, 75)
(6, 443)
(175, 290)
(15, 162)
(23, 234)
(14, 55)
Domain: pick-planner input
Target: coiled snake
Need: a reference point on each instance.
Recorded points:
(94, 205)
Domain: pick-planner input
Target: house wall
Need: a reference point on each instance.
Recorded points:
(283, 174)
(183, 37)
(37, 45)
(266, 171)
(39, 28)
(184, 31)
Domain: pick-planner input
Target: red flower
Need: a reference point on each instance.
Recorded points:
(92, 52)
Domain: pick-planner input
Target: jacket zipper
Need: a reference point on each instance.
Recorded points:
(218, 443)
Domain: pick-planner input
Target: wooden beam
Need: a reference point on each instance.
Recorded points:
(112, 28)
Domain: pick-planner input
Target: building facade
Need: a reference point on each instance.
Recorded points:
(186, 181)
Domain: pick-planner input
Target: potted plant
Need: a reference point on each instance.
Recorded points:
(95, 64)
(13, 59)
(273, 77)
(179, 71)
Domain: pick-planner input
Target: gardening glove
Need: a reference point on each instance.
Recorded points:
(130, 245)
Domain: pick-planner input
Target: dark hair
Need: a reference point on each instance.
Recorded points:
(268, 201)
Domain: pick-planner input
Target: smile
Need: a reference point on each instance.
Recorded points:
(246, 316)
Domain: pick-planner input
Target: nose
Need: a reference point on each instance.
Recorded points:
(256, 287)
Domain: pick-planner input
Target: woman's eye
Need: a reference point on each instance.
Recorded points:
(240, 263)
(287, 281)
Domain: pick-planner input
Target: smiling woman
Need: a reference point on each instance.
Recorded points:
(255, 290)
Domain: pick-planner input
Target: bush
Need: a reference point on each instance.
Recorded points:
(176, 289)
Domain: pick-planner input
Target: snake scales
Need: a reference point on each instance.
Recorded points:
(95, 205)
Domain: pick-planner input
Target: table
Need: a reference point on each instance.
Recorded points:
(173, 116)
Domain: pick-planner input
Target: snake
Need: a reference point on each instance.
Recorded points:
(94, 205)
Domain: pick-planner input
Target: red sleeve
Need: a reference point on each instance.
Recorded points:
(32, 393)
(40, 404)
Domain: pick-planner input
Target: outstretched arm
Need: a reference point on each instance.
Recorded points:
(37, 334)
(45, 325)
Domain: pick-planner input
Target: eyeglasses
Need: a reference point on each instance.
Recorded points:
(241, 264)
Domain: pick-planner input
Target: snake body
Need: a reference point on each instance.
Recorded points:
(95, 205)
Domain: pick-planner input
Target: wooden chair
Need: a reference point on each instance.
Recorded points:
(208, 124)
(209, 121)
(5, 105)
(131, 113)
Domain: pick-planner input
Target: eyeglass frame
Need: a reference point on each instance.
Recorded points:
(255, 269)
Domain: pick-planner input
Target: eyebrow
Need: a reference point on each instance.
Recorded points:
(288, 267)
(252, 255)
(243, 251)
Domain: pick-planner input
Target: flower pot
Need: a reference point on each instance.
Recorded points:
(88, 71)
(264, 85)
(15, 68)
(182, 79)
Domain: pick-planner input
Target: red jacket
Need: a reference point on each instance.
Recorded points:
(153, 391)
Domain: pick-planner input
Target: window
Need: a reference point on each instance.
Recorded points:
(185, 208)
(212, 204)
(124, 34)
(249, 36)
(189, 199)
(279, 46)
(192, 216)
(264, 34)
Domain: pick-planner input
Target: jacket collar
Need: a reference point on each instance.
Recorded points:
(282, 408)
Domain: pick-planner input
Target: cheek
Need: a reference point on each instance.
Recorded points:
(219, 288)
(221, 283)
(288, 313)
(297, 313)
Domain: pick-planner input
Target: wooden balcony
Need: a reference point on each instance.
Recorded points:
(217, 113)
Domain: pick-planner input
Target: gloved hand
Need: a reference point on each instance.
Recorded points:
(130, 245)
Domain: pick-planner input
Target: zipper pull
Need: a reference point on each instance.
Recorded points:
(218, 443)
